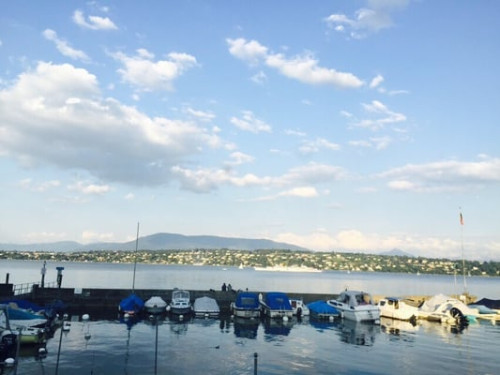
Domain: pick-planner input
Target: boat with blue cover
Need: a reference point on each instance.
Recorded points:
(246, 305)
(276, 305)
(322, 310)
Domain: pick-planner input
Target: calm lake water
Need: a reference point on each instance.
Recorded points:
(199, 346)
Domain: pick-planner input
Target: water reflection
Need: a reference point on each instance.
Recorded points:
(277, 327)
(355, 333)
(246, 328)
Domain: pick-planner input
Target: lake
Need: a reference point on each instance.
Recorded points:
(227, 346)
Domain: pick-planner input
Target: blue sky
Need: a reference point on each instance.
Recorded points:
(333, 125)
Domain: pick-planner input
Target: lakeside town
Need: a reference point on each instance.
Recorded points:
(273, 259)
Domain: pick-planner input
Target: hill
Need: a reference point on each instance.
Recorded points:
(159, 241)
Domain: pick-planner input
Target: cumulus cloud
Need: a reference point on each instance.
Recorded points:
(31, 185)
(443, 176)
(303, 68)
(248, 122)
(63, 47)
(378, 143)
(379, 116)
(93, 22)
(55, 115)
(376, 16)
(314, 146)
(146, 74)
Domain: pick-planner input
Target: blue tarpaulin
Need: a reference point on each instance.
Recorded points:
(278, 301)
(131, 303)
(247, 300)
(321, 307)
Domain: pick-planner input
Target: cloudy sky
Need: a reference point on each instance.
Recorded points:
(333, 125)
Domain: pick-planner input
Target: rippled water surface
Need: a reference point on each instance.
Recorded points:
(199, 346)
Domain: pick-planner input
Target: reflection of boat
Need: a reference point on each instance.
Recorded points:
(277, 327)
(181, 303)
(397, 308)
(246, 328)
(322, 310)
(276, 305)
(357, 306)
(206, 307)
(179, 323)
(358, 333)
(397, 327)
(155, 305)
(299, 307)
(446, 309)
(246, 305)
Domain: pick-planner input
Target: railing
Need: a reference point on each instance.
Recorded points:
(26, 288)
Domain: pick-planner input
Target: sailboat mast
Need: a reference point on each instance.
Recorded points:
(462, 242)
(135, 256)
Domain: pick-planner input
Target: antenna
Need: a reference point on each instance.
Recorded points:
(135, 256)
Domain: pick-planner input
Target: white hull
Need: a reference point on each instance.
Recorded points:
(276, 314)
(246, 313)
(397, 309)
(356, 306)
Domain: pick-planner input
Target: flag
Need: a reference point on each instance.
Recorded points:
(461, 219)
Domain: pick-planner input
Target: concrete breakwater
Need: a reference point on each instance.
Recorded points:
(104, 302)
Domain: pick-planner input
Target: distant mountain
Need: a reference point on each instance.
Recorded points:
(160, 241)
(398, 253)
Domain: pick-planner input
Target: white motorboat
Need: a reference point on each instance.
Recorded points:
(155, 305)
(356, 306)
(206, 307)
(181, 302)
(299, 307)
(397, 308)
(446, 309)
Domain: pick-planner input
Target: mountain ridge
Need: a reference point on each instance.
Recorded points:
(159, 241)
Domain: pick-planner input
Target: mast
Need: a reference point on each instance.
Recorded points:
(462, 242)
(135, 256)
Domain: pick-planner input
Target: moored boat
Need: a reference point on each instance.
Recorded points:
(357, 306)
(246, 305)
(155, 305)
(206, 307)
(445, 309)
(321, 310)
(397, 308)
(299, 307)
(181, 302)
(131, 305)
(276, 305)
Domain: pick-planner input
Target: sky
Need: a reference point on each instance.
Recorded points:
(357, 126)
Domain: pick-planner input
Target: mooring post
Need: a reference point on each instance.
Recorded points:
(255, 355)
(59, 276)
(7, 278)
(43, 271)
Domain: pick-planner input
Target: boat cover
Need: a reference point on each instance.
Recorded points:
(278, 301)
(16, 313)
(131, 303)
(321, 307)
(491, 303)
(206, 304)
(247, 300)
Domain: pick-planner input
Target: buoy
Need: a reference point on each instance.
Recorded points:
(206, 315)
(9, 362)
(168, 308)
(330, 318)
(126, 315)
(87, 336)
(85, 317)
(181, 317)
(285, 318)
(42, 352)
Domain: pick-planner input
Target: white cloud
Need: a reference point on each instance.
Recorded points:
(94, 22)
(381, 116)
(249, 122)
(304, 68)
(148, 75)
(443, 176)
(89, 188)
(55, 116)
(63, 47)
(376, 81)
(302, 192)
(379, 143)
(238, 158)
(376, 16)
(91, 236)
(314, 146)
(40, 186)
(200, 115)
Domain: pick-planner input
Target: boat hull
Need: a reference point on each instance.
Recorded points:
(246, 313)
